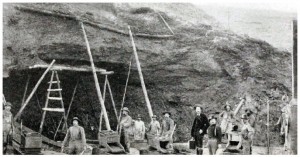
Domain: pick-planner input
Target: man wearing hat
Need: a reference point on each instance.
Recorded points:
(126, 129)
(167, 125)
(139, 129)
(214, 136)
(246, 138)
(199, 128)
(7, 127)
(154, 127)
(76, 138)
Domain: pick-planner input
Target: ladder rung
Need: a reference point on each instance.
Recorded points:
(54, 82)
(55, 98)
(52, 90)
(54, 109)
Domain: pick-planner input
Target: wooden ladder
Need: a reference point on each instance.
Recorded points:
(54, 98)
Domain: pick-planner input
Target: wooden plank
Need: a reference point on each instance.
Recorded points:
(96, 79)
(54, 90)
(68, 68)
(54, 109)
(54, 82)
(55, 98)
(45, 139)
(141, 75)
(33, 91)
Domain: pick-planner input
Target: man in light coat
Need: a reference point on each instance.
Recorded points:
(126, 129)
(139, 129)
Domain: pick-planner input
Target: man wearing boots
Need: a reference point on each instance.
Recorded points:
(199, 128)
(126, 129)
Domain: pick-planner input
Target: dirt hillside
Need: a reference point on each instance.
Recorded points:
(201, 63)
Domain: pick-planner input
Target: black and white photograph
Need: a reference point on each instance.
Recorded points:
(149, 78)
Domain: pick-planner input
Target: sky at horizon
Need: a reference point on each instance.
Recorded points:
(283, 7)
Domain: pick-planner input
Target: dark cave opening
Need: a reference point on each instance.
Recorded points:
(85, 106)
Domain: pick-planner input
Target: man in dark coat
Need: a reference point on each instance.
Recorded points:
(199, 128)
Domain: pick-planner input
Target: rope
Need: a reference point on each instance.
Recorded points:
(123, 100)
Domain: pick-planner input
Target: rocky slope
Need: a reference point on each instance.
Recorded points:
(201, 63)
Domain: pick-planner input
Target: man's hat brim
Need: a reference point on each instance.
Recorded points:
(7, 104)
(76, 119)
(198, 106)
(167, 112)
(126, 110)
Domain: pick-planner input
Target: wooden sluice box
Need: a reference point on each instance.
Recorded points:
(27, 142)
(111, 141)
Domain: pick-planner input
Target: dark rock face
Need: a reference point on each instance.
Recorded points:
(200, 64)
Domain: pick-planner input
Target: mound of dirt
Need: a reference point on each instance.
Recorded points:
(200, 64)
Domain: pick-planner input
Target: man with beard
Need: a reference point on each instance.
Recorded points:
(126, 129)
(199, 128)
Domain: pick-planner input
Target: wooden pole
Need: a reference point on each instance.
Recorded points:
(4, 101)
(166, 24)
(239, 107)
(96, 78)
(112, 100)
(33, 91)
(26, 87)
(268, 127)
(72, 99)
(101, 113)
(141, 76)
(124, 95)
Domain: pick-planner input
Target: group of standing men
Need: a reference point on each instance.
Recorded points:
(203, 125)
(137, 129)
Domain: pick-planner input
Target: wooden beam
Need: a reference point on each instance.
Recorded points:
(239, 106)
(26, 87)
(72, 99)
(60, 67)
(33, 91)
(54, 109)
(268, 127)
(141, 75)
(166, 24)
(93, 24)
(124, 94)
(112, 100)
(101, 113)
(96, 79)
